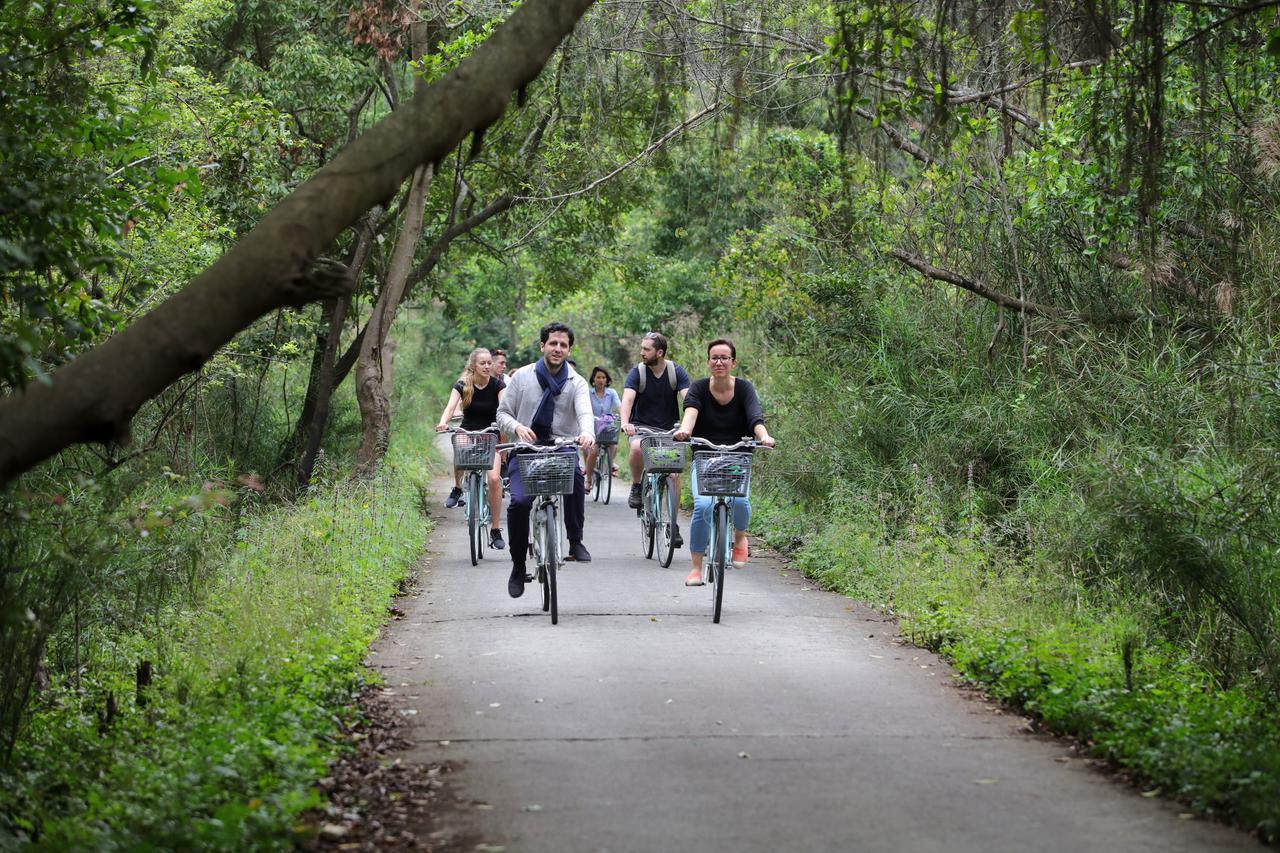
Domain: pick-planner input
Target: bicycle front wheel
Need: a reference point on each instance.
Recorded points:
(666, 521)
(473, 514)
(721, 536)
(647, 520)
(608, 473)
(486, 517)
(553, 563)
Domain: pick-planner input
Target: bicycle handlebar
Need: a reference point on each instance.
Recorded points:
(745, 443)
(643, 431)
(488, 429)
(537, 448)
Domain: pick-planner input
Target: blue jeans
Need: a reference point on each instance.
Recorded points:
(700, 527)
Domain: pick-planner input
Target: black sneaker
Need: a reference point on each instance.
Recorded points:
(677, 541)
(578, 553)
(495, 540)
(633, 499)
(515, 583)
(455, 497)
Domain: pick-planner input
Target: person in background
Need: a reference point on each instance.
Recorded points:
(722, 409)
(606, 406)
(500, 363)
(478, 392)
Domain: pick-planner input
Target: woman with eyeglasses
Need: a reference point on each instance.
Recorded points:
(722, 409)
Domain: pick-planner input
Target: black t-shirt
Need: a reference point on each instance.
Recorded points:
(483, 411)
(658, 407)
(724, 424)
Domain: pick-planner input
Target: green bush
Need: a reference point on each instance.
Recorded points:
(250, 676)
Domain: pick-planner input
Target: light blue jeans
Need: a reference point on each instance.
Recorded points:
(700, 527)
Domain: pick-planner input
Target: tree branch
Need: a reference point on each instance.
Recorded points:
(94, 397)
(1002, 299)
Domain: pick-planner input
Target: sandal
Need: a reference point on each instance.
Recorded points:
(740, 555)
(694, 578)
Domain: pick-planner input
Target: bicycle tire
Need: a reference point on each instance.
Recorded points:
(595, 473)
(482, 529)
(608, 474)
(666, 522)
(553, 562)
(646, 519)
(473, 513)
(720, 530)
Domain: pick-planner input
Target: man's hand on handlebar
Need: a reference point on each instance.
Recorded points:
(586, 440)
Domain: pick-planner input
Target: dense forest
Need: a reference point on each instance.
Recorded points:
(1005, 274)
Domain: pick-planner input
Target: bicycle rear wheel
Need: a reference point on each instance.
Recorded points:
(666, 521)
(721, 536)
(647, 521)
(552, 563)
(473, 514)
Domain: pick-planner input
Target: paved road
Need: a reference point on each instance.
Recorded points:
(798, 723)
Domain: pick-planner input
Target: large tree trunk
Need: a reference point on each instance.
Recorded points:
(371, 389)
(95, 397)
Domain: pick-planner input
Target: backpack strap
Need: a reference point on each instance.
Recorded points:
(643, 370)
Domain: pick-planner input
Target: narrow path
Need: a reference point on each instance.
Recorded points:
(799, 723)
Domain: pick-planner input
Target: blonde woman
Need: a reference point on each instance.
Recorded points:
(478, 393)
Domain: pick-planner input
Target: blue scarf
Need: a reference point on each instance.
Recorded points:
(552, 385)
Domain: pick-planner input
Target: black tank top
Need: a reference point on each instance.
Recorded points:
(483, 410)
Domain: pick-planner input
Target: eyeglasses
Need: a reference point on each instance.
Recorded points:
(720, 358)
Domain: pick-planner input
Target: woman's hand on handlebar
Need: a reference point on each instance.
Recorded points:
(442, 427)
(767, 441)
(629, 428)
(681, 435)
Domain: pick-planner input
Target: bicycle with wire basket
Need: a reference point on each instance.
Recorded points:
(723, 472)
(473, 453)
(662, 457)
(546, 473)
(607, 442)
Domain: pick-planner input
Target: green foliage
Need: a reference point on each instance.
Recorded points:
(250, 673)
(1027, 637)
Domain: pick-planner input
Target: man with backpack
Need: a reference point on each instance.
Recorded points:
(651, 397)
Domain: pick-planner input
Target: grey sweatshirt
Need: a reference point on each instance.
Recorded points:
(573, 415)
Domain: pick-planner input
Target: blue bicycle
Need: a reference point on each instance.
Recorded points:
(473, 453)
(658, 499)
(723, 472)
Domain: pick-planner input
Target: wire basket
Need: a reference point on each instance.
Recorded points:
(474, 450)
(662, 455)
(723, 474)
(547, 473)
(608, 435)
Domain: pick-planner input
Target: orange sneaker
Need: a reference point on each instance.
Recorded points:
(740, 555)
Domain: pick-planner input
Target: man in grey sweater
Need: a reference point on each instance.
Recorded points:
(545, 401)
